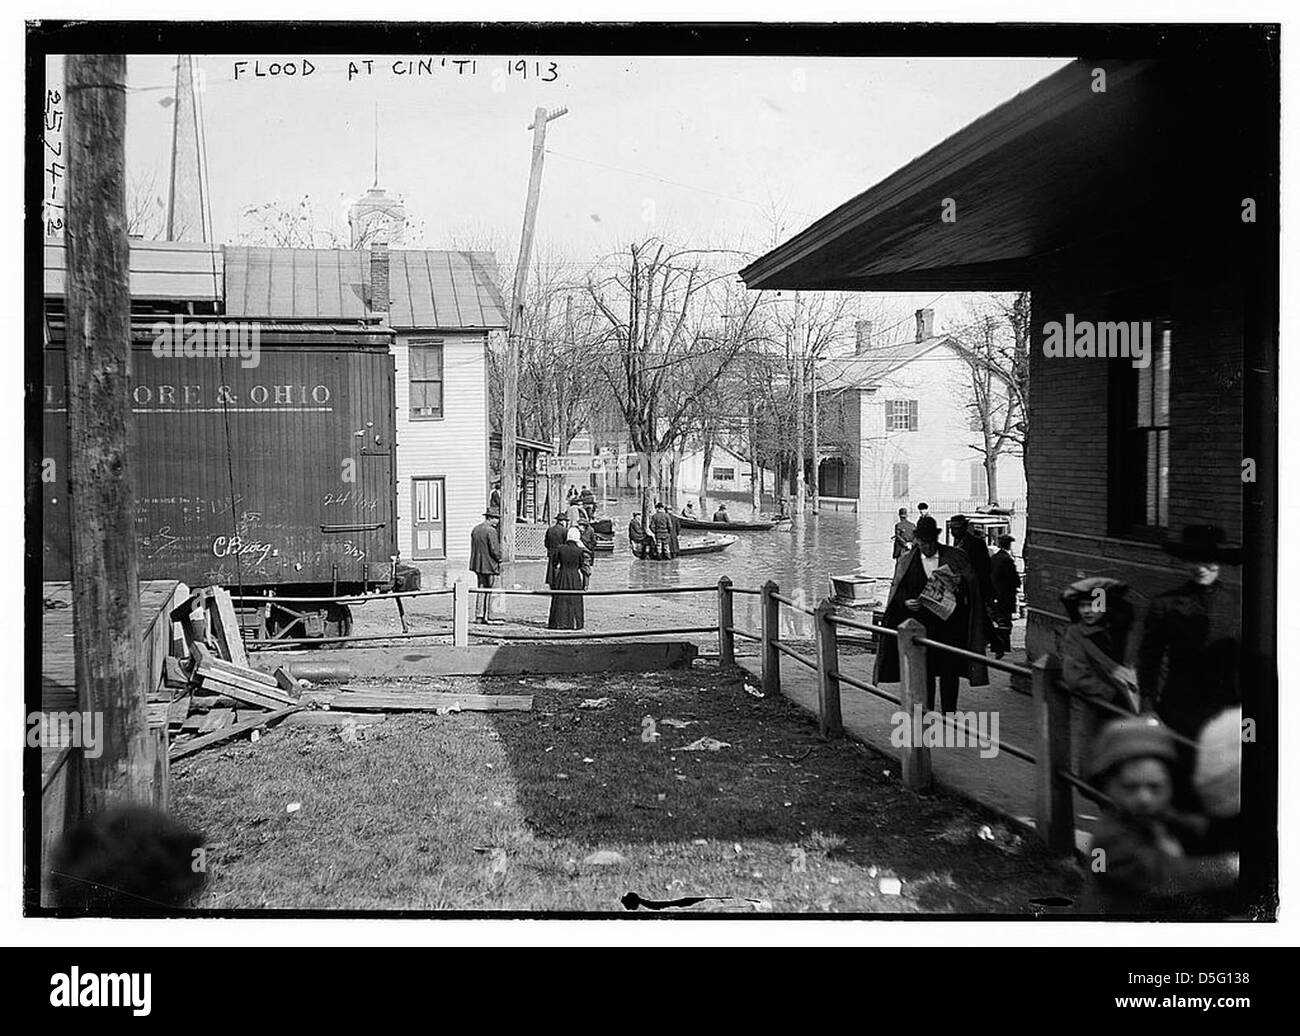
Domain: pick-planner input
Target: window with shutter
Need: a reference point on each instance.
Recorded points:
(901, 415)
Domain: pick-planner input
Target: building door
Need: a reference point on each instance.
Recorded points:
(428, 519)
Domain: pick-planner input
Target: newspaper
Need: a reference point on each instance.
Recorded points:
(940, 593)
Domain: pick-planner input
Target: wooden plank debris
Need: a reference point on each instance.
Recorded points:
(197, 744)
(177, 711)
(384, 699)
(247, 692)
(217, 719)
(207, 659)
(174, 675)
(225, 625)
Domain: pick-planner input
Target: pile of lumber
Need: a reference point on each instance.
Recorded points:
(213, 694)
(220, 700)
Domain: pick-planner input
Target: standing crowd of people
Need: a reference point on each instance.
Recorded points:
(1155, 720)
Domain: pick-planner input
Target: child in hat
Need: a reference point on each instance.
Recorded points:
(1144, 855)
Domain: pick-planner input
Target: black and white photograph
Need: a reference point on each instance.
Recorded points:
(612, 471)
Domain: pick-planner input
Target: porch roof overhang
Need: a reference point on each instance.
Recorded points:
(1056, 167)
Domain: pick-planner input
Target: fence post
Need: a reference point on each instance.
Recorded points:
(460, 613)
(1055, 797)
(828, 671)
(771, 629)
(912, 683)
(726, 623)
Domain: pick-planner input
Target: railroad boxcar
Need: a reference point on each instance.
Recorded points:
(269, 472)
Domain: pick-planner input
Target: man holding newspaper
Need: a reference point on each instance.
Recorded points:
(936, 585)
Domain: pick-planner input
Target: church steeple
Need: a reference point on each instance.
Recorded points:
(377, 216)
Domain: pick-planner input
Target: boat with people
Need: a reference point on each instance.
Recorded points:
(727, 526)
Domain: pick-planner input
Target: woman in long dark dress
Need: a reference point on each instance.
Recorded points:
(571, 572)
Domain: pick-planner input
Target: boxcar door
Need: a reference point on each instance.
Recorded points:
(428, 519)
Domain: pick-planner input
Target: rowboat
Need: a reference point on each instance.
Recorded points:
(707, 545)
(702, 524)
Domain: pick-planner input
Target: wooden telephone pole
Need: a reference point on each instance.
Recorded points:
(800, 488)
(510, 408)
(105, 594)
(816, 446)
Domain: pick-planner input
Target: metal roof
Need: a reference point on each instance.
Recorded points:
(180, 270)
(432, 290)
(866, 370)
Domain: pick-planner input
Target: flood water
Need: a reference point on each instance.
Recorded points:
(799, 556)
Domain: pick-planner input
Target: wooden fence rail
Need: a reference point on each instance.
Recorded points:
(1055, 783)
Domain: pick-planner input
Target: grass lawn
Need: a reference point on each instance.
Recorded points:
(503, 811)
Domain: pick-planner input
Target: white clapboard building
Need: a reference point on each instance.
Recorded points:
(443, 305)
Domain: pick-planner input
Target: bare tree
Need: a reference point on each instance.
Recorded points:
(665, 340)
(995, 346)
(146, 208)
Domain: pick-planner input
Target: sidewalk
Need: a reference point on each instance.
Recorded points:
(1001, 782)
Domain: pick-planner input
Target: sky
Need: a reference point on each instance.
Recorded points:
(716, 151)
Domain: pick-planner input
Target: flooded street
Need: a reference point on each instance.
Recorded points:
(800, 557)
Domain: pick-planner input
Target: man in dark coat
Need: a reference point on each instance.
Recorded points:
(660, 528)
(1187, 661)
(636, 534)
(963, 629)
(903, 532)
(971, 543)
(720, 515)
(555, 536)
(587, 539)
(485, 560)
(1005, 580)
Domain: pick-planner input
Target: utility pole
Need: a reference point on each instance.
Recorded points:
(510, 414)
(799, 484)
(816, 446)
(186, 211)
(105, 592)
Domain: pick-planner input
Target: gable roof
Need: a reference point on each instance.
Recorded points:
(436, 290)
(866, 370)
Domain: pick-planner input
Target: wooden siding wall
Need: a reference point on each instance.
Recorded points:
(454, 448)
(293, 420)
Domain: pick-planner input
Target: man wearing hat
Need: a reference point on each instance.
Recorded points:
(1005, 580)
(1187, 661)
(485, 559)
(1145, 854)
(903, 531)
(964, 628)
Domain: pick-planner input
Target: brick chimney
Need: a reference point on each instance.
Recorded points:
(863, 342)
(379, 279)
(924, 324)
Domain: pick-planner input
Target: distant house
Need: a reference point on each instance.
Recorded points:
(894, 429)
(729, 474)
(443, 306)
